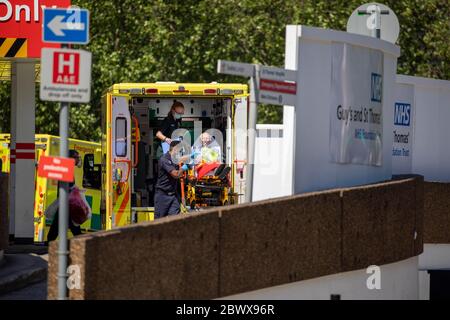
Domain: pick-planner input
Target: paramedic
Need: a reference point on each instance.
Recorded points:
(54, 228)
(169, 125)
(166, 197)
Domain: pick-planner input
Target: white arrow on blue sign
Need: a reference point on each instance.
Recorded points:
(66, 25)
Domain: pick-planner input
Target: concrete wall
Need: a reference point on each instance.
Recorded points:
(236, 249)
(171, 258)
(437, 213)
(435, 256)
(429, 149)
(309, 50)
(431, 144)
(436, 251)
(402, 150)
(271, 163)
(4, 225)
(398, 281)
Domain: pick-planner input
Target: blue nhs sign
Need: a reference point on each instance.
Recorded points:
(376, 87)
(402, 114)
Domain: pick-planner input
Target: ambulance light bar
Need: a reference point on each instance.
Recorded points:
(226, 91)
(181, 89)
(132, 91)
(151, 91)
(136, 91)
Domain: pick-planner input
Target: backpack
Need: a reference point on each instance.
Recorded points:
(79, 209)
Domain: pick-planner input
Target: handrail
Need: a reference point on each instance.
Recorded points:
(136, 142)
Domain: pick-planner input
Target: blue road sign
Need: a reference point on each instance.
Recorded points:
(66, 26)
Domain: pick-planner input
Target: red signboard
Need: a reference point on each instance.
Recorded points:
(56, 168)
(278, 86)
(66, 68)
(23, 19)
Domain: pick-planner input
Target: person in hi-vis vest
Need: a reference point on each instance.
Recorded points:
(170, 124)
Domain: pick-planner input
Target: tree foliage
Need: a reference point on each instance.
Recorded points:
(181, 40)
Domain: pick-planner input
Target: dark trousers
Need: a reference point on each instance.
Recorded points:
(166, 204)
(54, 228)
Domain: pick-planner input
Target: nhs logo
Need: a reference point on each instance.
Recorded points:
(376, 87)
(402, 114)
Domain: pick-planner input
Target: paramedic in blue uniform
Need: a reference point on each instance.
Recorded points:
(166, 198)
(169, 125)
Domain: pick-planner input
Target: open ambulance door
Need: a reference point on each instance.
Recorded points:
(240, 115)
(40, 195)
(118, 199)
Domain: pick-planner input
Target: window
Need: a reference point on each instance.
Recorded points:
(92, 173)
(121, 137)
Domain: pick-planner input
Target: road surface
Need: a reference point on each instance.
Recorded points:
(37, 291)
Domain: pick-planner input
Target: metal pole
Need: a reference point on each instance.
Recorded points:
(63, 203)
(377, 12)
(377, 22)
(252, 119)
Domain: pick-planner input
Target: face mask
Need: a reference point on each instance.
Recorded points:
(177, 116)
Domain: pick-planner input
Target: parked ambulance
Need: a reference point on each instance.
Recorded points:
(87, 177)
(132, 113)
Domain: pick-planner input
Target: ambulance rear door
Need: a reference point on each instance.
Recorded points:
(41, 198)
(121, 162)
(239, 152)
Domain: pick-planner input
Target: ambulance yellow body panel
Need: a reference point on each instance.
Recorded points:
(87, 177)
(4, 152)
(132, 114)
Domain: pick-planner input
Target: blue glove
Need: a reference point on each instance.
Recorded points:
(194, 154)
(184, 167)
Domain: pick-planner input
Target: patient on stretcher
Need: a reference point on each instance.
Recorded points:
(207, 154)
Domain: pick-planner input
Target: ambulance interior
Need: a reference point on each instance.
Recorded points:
(200, 114)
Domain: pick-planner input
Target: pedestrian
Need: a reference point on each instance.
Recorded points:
(54, 228)
(166, 196)
(169, 125)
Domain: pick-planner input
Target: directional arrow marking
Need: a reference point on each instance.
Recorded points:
(56, 26)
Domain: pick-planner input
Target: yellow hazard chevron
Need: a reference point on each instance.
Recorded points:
(13, 47)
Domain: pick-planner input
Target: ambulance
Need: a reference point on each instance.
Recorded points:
(87, 177)
(132, 113)
(4, 152)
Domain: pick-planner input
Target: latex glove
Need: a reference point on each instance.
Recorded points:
(184, 167)
(195, 154)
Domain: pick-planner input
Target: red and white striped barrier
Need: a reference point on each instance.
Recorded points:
(23, 151)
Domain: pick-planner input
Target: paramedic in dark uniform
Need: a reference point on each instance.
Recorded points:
(166, 198)
(169, 125)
